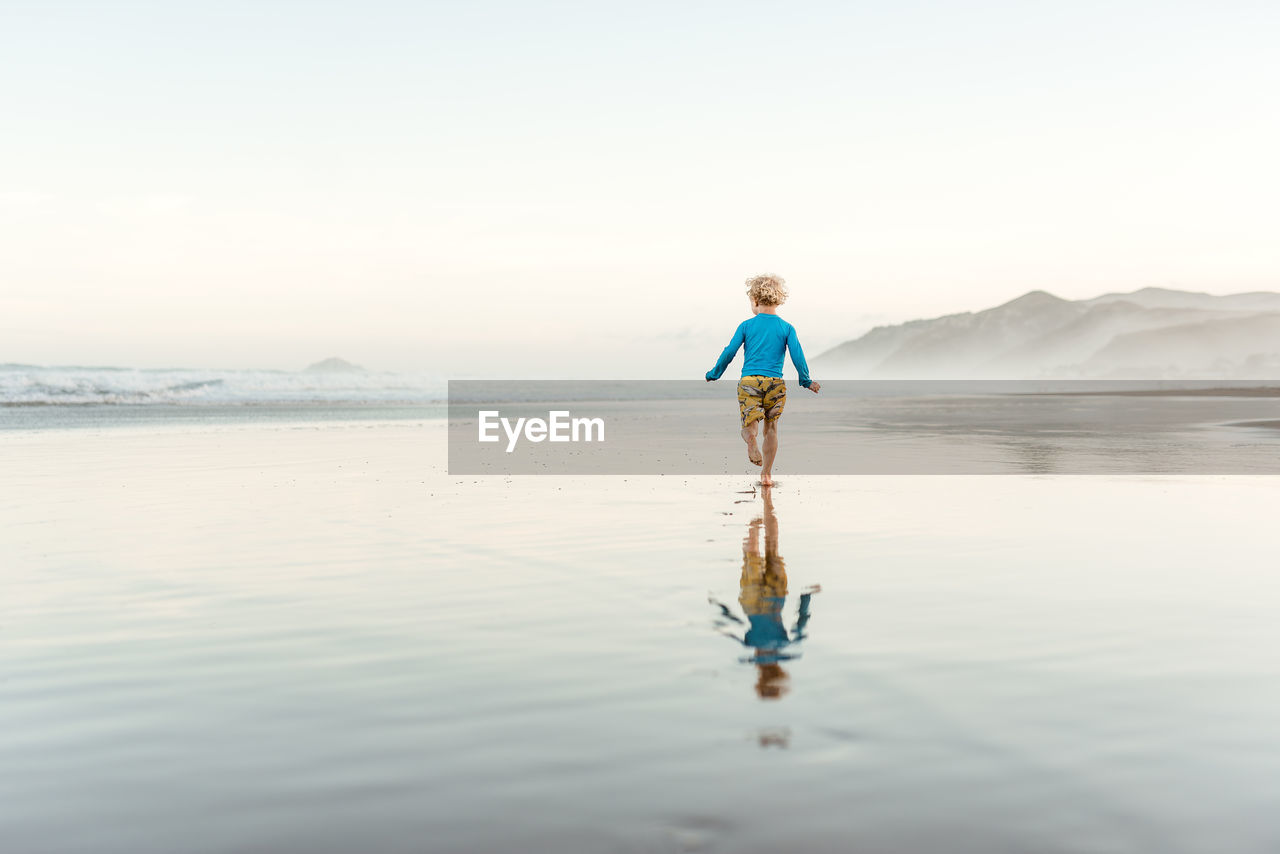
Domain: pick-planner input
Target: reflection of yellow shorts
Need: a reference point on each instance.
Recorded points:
(763, 579)
(761, 397)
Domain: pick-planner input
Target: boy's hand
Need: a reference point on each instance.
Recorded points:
(814, 386)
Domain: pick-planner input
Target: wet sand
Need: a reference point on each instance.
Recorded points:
(1213, 391)
(1272, 425)
(308, 637)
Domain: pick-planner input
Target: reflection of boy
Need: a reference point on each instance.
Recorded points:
(763, 596)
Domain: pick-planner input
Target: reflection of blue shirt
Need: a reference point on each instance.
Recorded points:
(767, 338)
(768, 637)
(767, 631)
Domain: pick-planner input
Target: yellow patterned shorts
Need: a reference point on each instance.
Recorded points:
(761, 397)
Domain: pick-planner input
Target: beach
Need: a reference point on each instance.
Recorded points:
(377, 382)
(305, 635)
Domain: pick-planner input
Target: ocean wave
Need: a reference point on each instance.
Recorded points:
(30, 385)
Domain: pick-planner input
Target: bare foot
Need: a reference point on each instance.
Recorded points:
(753, 453)
(766, 480)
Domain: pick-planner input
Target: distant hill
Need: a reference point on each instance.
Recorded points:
(1153, 333)
(334, 365)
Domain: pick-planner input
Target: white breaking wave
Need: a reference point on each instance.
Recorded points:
(33, 385)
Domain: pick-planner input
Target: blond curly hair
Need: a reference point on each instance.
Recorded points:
(767, 290)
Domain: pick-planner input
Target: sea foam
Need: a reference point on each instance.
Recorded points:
(33, 385)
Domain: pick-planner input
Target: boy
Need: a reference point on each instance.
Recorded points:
(761, 392)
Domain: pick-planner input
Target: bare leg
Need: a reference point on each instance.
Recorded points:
(770, 451)
(749, 436)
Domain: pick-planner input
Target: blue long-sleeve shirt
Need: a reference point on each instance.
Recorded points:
(767, 338)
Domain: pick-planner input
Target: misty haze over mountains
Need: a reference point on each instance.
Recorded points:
(1153, 333)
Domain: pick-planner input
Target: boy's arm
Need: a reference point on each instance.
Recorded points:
(797, 357)
(739, 338)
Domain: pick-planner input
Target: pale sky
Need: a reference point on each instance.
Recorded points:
(579, 189)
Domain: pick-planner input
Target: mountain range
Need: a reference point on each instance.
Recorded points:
(1153, 333)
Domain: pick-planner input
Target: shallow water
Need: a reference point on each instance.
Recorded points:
(308, 637)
